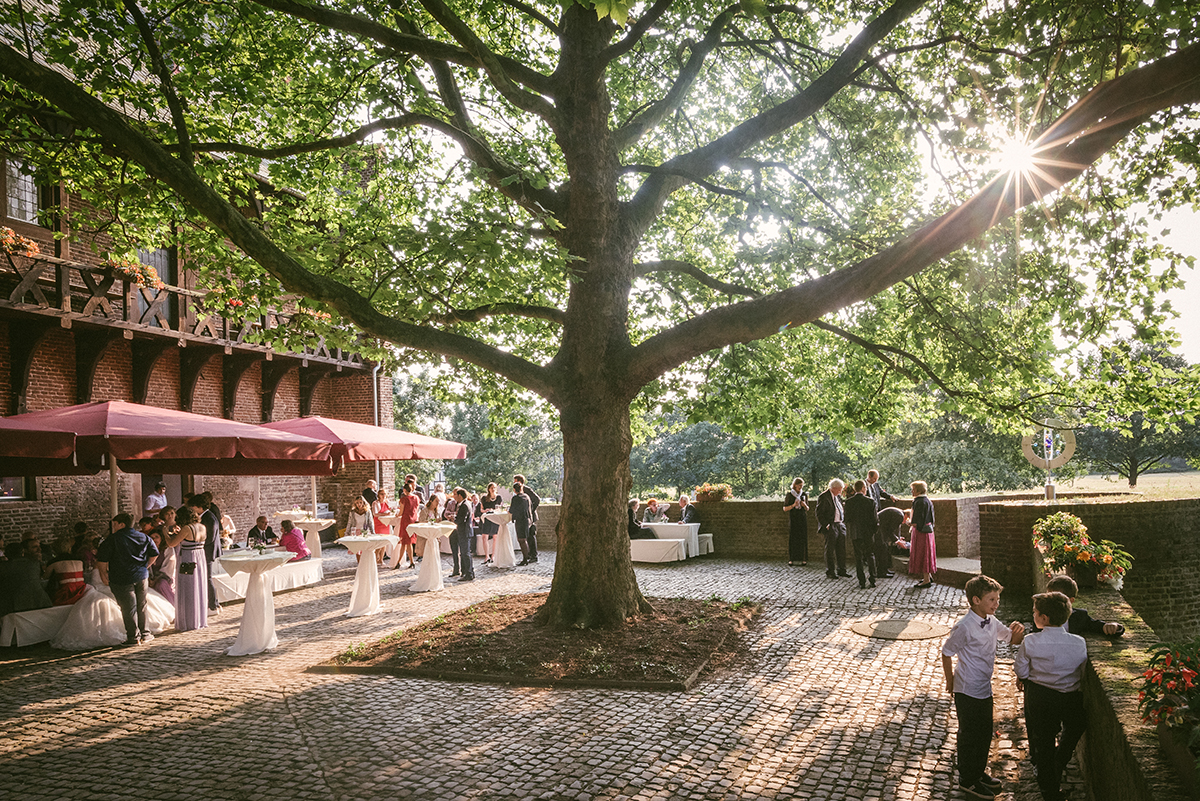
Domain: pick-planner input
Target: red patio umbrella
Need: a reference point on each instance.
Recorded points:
(147, 439)
(359, 442)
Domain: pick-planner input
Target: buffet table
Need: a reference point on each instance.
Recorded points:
(364, 598)
(504, 542)
(688, 532)
(430, 577)
(257, 630)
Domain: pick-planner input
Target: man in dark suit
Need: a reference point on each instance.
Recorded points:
(261, 534)
(687, 512)
(371, 492)
(210, 516)
(861, 523)
(883, 556)
(831, 523)
(890, 519)
(529, 544)
(464, 532)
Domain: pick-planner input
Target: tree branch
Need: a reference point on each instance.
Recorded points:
(1065, 150)
(131, 143)
(637, 31)
(164, 78)
(525, 8)
(637, 127)
(687, 268)
(547, 313)
(492, 66)
(706, 159)
(402, 43)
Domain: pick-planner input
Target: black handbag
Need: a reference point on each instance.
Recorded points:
(187, 568)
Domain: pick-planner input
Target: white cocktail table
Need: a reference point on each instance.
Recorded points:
(502, 552)
(364, 598)
(256, 633)
(689, 532)
(430, 577)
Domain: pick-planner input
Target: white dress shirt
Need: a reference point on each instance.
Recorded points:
(1052, 658)
(973, 640)
(154, 502)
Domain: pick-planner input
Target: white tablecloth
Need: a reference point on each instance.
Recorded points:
(289, 577)
(364, 598)
(257, 630)
(657, 550)
(430, 577)
(689, 532)
(505, 541)
(36, 625)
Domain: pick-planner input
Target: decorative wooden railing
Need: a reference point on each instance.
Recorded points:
(100, 295)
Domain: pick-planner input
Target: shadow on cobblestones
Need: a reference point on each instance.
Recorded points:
(816, 712)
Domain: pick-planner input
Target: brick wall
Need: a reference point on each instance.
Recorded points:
(1163, 537)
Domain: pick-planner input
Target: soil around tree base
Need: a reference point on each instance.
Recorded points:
(499, 641)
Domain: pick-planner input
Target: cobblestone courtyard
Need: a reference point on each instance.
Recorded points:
(818, 712)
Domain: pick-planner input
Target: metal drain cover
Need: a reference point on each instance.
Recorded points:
(900, 629)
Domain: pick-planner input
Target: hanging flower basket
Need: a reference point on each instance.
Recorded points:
(14, 244)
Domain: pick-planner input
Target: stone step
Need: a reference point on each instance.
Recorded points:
(953, 571)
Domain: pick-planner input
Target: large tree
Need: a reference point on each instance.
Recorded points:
(583, 199)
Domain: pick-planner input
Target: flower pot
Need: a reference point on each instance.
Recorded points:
(1084, 574)
(1173, 740)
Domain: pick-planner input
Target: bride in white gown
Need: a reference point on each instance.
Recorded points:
(95, 620)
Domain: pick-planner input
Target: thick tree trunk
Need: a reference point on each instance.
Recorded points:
(594, 584)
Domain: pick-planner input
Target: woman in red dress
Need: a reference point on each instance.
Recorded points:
(381, 507)
(410, 506)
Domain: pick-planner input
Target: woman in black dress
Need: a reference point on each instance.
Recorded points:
(796, 505)
(488, 503)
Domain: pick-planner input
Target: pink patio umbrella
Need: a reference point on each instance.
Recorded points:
(359, 442)
(147, 439)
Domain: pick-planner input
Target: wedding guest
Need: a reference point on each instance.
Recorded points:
(429, 512)
(653, 513)
(381, 506)
(922, 559)
(191, 588)
(209, 516)
(371, 493)
(261, 534)
(21, 581)
(489, 502)
(292, 539)
(529, 545)
(410, 504)
(687, 512)
(123, 561)
(636, 531)
(460, 544)
(359, 522)
(155, 500)
(796, 505)
(164, 568)
(65, 573)
(519, 508)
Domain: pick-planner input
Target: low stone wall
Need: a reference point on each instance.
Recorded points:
(1162, 535)
(1119, 755)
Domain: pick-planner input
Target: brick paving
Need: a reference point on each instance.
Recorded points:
(817, 712)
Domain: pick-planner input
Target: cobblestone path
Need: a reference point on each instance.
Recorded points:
(818, 712)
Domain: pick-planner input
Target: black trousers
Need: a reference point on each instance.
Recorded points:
(974, 736)
(1047, 712)
(528, 542)
(864, 553)
(132, 600)
(835, 547)
(883, 550)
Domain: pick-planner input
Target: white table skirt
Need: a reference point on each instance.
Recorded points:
(364, 597)
(33, 626)
(505, 542)
(289, 577)
(256, 633)
(430, 577)
(689, 532)
(657, 550)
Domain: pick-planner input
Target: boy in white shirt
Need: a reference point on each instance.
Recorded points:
(1049, 667)
(973, 640)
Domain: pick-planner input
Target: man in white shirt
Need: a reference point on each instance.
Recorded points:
(1049, 667)
(156, 500)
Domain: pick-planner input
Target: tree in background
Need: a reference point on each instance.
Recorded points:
(533, 450)
(600, 200)
(684, 457)
(819, 459)
(1143, 408)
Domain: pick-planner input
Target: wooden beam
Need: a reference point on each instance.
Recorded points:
(146, 353)
(90, 345)
(232, 369)
(24, 339)
(191, 361)
(310, 376)
(273, 373)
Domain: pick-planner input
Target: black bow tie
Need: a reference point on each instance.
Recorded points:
(983, 623)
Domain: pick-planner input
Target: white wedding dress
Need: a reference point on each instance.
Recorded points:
(95, 620)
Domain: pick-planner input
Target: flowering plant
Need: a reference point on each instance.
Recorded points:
(1170, 693)
(713, 492)
(13, 243)
(135, 271)
(1063, 541)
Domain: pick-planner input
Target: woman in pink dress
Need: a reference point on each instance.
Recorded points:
(292, 539)
(922, 558)
(381, 507)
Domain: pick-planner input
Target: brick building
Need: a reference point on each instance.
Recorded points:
(73, 330)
